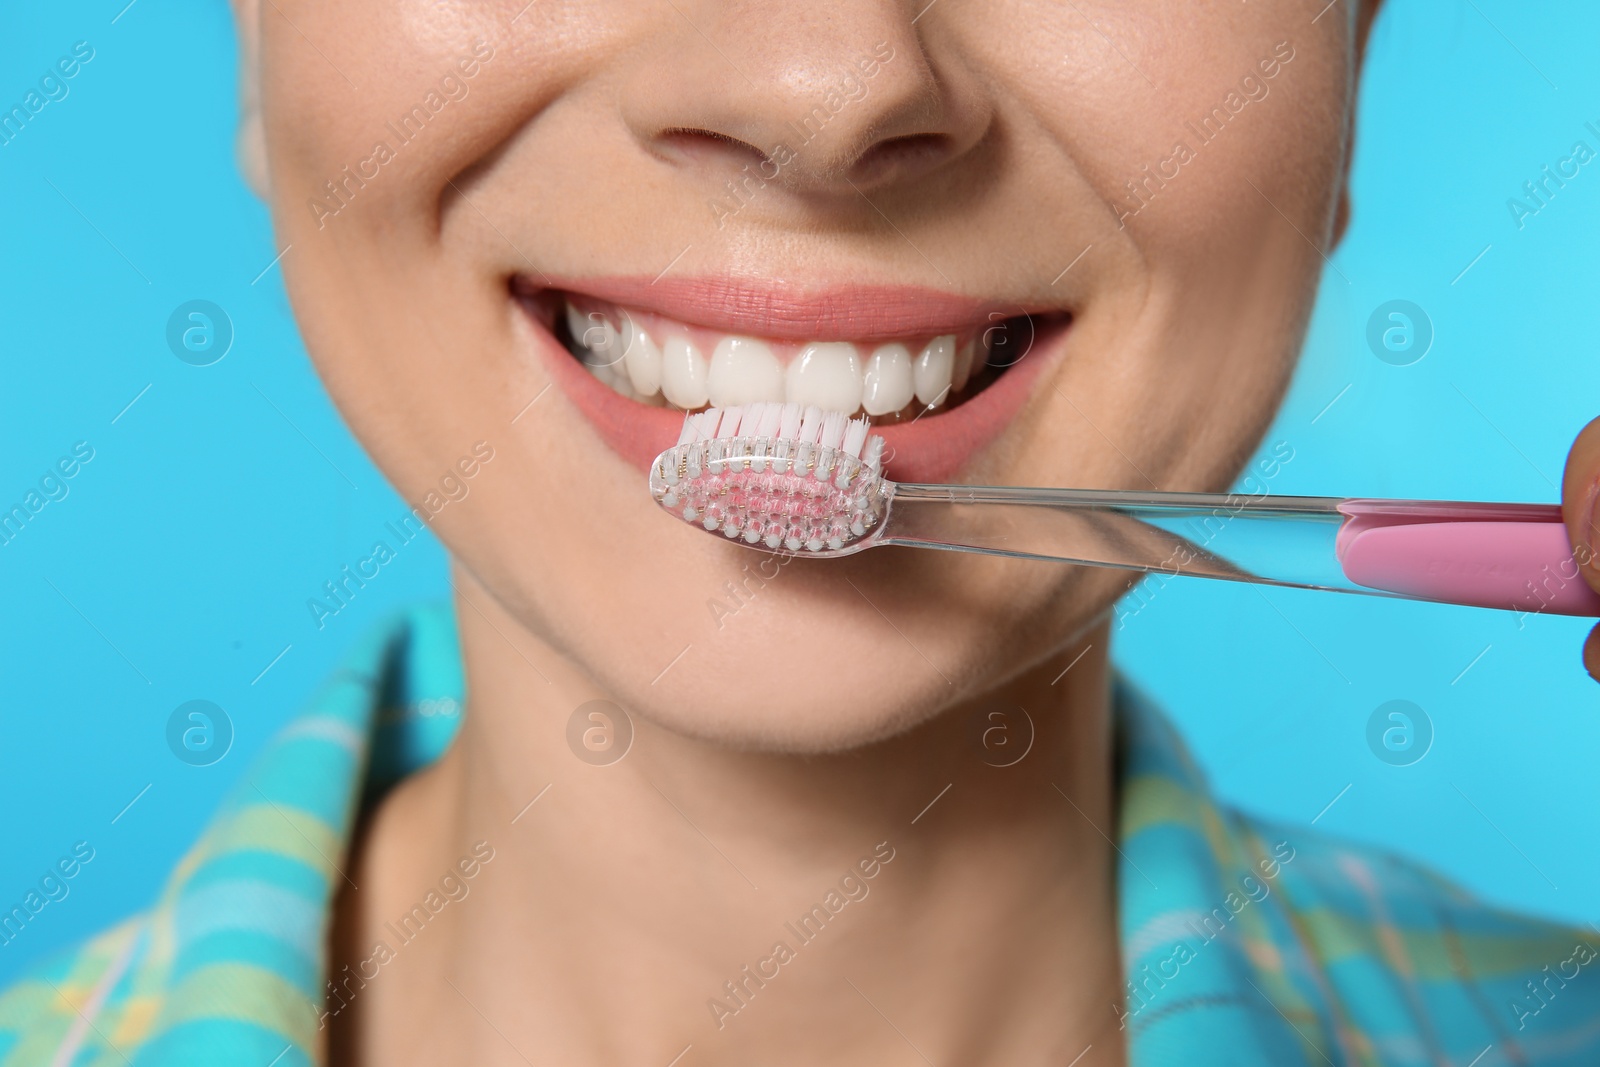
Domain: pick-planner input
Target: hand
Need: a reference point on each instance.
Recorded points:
(1580, 503)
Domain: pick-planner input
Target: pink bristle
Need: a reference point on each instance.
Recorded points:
(799, 479)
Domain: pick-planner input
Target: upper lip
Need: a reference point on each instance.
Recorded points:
(786, 311)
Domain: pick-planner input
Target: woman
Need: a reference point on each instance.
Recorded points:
(712, 807)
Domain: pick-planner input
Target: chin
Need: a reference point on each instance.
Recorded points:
(806, 665)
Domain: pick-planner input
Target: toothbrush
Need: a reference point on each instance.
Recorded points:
(801, 481)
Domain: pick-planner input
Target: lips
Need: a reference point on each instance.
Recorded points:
(940, 375)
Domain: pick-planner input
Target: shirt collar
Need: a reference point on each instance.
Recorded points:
(1199, 947)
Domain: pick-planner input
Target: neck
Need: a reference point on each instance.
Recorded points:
(950, 889)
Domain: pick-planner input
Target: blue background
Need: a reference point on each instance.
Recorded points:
(179, 565)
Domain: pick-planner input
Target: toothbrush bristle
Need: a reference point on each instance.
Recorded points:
(855, 436)
(771, 419)
(811, 425)
(789, 420)
(833, 429)
(873, 456)
(797, 480)
(700, 427)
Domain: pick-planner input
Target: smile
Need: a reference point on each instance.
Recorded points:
(938, 375)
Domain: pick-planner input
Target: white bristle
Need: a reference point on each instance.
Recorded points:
(705, 425)
(771, 418)
(855, 436)
(687, 434)
(810, 426)
(873, 457)
(833, 425)
(728, 423)
(789, 420)
(747, 429)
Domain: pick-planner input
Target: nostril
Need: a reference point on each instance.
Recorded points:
(900, 157)
(707, 145)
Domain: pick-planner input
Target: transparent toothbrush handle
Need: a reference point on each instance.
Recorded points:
(1510, 556)
(1232, 537)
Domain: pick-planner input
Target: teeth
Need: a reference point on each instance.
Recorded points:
(886, 386)
(662, 365)
(576, 323)
(683, 373)
(744, 371)
(602, 344)
(826, 374)
(931, 374)
(965, 356)
(642, 358)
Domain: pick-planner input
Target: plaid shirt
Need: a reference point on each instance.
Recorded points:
(1244, 943)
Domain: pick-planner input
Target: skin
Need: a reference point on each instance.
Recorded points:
(812, 725)
(1580, 504)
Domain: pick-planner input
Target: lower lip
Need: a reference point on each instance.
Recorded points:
(932, 448)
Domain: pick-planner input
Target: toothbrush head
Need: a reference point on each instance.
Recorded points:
(781, 477)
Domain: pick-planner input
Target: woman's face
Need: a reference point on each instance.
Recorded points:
(1135, 192)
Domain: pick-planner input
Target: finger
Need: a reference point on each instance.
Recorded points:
(1591, 654)
(1580, 504)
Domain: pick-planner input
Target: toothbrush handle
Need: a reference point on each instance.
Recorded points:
(1509, 556)
(1517, 564)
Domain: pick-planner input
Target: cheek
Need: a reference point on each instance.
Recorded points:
(1180, 362)
(1120, 96)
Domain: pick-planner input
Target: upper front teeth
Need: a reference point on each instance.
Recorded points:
(887, 384)
(826, 374)
(743, 371)
(644, 361)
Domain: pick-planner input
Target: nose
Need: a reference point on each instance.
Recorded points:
(823, 98)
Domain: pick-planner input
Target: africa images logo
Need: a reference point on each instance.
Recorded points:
(599, 732)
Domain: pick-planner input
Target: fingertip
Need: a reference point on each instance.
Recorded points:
(1580, 498)
(1591, 654)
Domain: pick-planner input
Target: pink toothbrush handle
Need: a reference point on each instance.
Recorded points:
(1512, 564)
